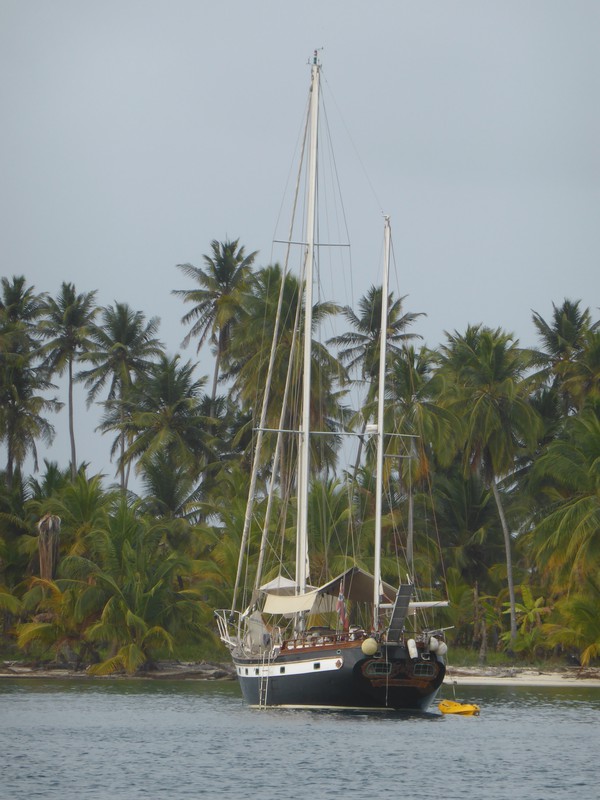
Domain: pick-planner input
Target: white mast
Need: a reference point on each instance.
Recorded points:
(304, 463)
(380, 411)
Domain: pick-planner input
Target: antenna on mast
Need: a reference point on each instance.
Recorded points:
(315, 59)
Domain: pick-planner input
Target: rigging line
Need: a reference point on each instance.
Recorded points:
(279, 443)
(335, 181)
(300, 139)
(356, 152)
(429, 483)
(263, 413)
(403, 295)
(315, 245)
(351, 539)
(338, 202)
(437, 535)
(288, 384)
(288, 380)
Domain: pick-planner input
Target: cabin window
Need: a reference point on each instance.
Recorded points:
(246, 670)
(317, 665)
(378, 668)
(256, 671)
(424, 670)
(282, 670)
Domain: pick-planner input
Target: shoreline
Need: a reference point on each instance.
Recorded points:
(522, 676)
(209, 671)
(171, 670)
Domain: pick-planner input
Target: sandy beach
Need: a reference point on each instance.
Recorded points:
(459, 676)
(522, 676)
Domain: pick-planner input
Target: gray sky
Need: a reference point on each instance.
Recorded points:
(135, 131)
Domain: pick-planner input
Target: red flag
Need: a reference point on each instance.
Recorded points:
(341, 609)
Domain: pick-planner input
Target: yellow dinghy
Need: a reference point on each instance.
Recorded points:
(463, 709)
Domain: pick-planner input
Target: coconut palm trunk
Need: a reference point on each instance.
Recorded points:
(509, 570)
(72, 424)
(48, 539)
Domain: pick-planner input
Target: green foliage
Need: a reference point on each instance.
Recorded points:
(504, 472)
(578, 627)
(9, 602)
(529, 622)
(566, 541)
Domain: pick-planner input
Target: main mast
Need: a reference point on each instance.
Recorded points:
(380, 412)
(304, 456)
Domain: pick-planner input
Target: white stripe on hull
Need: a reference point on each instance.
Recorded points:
(280, 669)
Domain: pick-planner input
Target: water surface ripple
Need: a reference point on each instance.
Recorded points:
(176, 739)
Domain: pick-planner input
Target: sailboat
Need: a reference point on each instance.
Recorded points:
(351, 642)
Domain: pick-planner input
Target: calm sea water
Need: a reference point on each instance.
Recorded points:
(176, 739)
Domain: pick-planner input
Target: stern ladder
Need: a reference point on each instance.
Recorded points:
(263, 686)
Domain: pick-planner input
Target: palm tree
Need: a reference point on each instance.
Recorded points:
(579, 623)
(23, 382)
(249, 351)
(220, 540)
(23, 410)
(170, 490)
(488, 391)
(414, 410)
(124, 348)
(67, 325)
(329, 520)
(16, 548)
(217, 299)
(83, 506)
(360, 346)
(128, 598)
(144, 607)
(20, 310)
(173, 497)
(164, 416)
(51, 482)
(581, 374)
(467, 524)
(57, 626)
(566, 542)
(562, 340)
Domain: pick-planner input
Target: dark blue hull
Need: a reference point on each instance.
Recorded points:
(342, 677)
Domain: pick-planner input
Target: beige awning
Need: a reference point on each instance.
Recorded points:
(313, 601)
(358, 585)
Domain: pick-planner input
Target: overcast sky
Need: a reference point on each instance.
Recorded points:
(136, 131)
